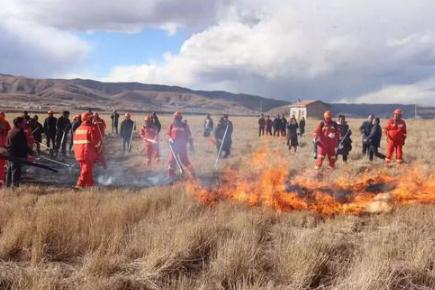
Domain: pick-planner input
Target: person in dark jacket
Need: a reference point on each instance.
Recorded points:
(302, 127)
(269, 125)
(283, 126)
(16, 147)
(37, 130)
(365, 129)
(277, 126)
(26, 116)
(76, 122)
(208, 126)
(50, 129)
(374, 140)
(156, 122)
(345, 142)
(63, 127)
(115, 122)
(224, 139)
(261, 125)
(126, 132)
(292, 134)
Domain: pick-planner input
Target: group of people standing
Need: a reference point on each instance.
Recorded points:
(278, 126)
(334, 138)
(292, 128)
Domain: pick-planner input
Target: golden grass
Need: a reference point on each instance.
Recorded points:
(160, 238)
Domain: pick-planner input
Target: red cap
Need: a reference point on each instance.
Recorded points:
(328, 115)
(86, 116)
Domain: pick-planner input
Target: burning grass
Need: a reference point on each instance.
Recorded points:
(272, 223)
(270, 184)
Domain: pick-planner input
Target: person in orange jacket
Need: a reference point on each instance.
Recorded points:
(396, 132)
(87, 149)
(5, 127)
(179, 136)
(150, 136)
(100, 123)
(326, 136)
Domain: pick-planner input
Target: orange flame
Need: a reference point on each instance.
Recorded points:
(274, 187)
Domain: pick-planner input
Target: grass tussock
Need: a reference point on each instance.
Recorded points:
(160, 238)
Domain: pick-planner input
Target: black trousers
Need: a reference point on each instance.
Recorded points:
(13, 175)
(260, 131)
(126, 145)
(115, 128)
(51, 141)
(365, 148)
(373, 151)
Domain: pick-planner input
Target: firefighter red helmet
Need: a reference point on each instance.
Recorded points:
(178, 116)
(397, 112)
(86, 117)
(328, 115)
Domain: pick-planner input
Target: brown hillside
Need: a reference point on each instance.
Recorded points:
(18, 93)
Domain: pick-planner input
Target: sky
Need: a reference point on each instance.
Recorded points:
(334, 50)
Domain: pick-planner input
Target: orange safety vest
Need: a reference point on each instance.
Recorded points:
(87, 143)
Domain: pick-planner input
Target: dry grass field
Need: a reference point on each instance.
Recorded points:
(193, 235)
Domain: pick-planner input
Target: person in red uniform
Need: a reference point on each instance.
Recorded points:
(100, 123)
(396, 136)
(179, 135)
(327, 137)
(87, 149)
(5, 127)
(150, 136)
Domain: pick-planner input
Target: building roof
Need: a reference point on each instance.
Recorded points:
(304, 103)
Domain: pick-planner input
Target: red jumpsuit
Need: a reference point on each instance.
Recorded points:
(101, 125)
(181, 135)
(150, 134)
(396, 135)
(4, 129)
(327, 135)
(87, 150)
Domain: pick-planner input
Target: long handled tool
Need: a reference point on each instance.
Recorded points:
(56, 162)
(177, 159)
(221, 147)
(27, 162)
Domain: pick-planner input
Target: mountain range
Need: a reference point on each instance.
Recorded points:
(18, 93)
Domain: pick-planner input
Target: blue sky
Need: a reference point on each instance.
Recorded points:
(110, 49)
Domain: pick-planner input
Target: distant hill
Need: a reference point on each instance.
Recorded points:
(41, 94)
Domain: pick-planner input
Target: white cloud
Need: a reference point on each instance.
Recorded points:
(418, 93)
(322, 49)
(334, 50)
